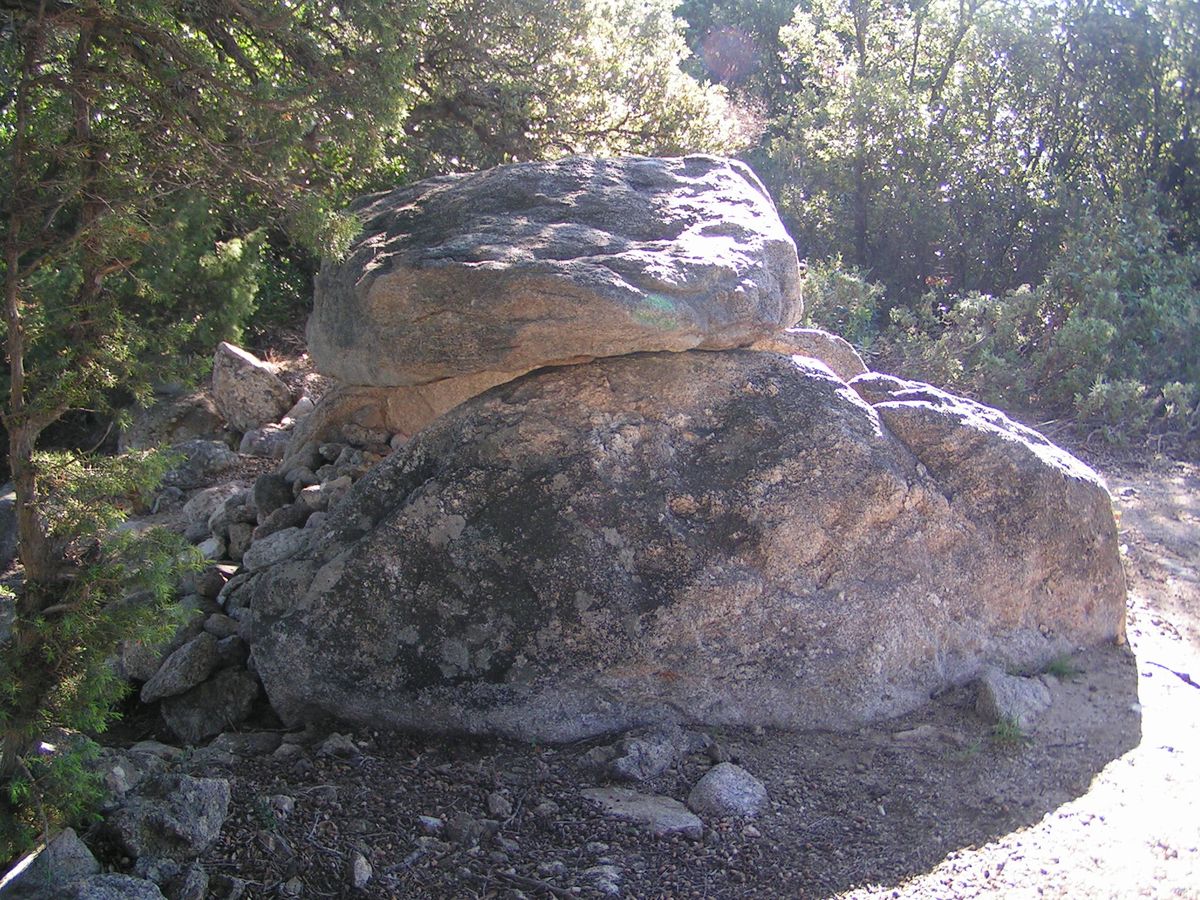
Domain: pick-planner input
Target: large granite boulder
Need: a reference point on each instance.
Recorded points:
(544, 263)
(733, 537)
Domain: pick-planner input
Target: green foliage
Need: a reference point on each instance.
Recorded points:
(57, 786)
(1107, 338)
(192, 279)
(1007, 733)
(842, 301)
(56, 674)
(512, 80)
(1063, 667)
(142, 144)
(1033, 242)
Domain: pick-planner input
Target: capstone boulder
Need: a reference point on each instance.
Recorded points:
(722, 538)
(545, 263)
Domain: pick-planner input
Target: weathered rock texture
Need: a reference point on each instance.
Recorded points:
(537, 264)
(395, 410)
(246, 390)
(837, 353)
(728, 537)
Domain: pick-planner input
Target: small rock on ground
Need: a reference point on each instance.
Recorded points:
(661, 815)
(728, 790)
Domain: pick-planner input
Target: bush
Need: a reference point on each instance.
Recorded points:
(841, 301)
(57, 683)
(1108, 337)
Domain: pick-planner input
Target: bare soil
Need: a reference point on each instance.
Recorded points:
(1098, 800)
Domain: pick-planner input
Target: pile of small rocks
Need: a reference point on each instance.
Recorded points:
(203, 679)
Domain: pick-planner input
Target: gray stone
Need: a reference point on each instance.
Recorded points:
(726, 791)
(1010, 698)
(203, 504)
(157, 750)
(605, 878)
(241, 534)
(282, 806)
(232, 651)
(110, 887)
(313, 498)
(841, 358)
(270, 492)
(212, 548)
(431, 824)
(208, 582)
(647, 755)
(275, 548)
(563, 261)
(227, 887)
(171, 816)
(300, 409)
(339, 745)
(190, 884)
(238, 508)
(201, 461)
(246, 390)
(360, 871)
(268, 442)
(183, 669)
(231, 587)
(220, 626)
(661, 816)
(171, 420)
(123, 770)
(65, 859)
(499, 806)
(247, 743)
(724, 538)
(219, 703)
(293, 515)
(138, 661)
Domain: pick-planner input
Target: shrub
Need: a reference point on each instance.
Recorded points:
(1108, 337)
(57, 683)
(842, 301)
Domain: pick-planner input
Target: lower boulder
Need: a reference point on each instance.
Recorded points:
(724, 538)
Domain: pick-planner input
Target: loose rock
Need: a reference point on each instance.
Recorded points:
(1010, 698)
(841, 358)
(727, 537)
(727, 790)
(563, 260)
(171, 816)
(246, 390)
(183, 670)
(224, 700)
(662, 816)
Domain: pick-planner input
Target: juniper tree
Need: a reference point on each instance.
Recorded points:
(112, 111)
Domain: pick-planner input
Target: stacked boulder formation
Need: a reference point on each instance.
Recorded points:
(627, 492)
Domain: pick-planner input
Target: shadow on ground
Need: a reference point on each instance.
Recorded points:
(872, 808)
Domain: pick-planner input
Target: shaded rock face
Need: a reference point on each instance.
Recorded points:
(543, 263)
(725, 538)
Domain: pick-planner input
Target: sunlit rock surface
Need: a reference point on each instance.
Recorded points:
(543, 263)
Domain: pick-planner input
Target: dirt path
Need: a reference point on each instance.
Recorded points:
(1136, 831)
(1101, 800)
